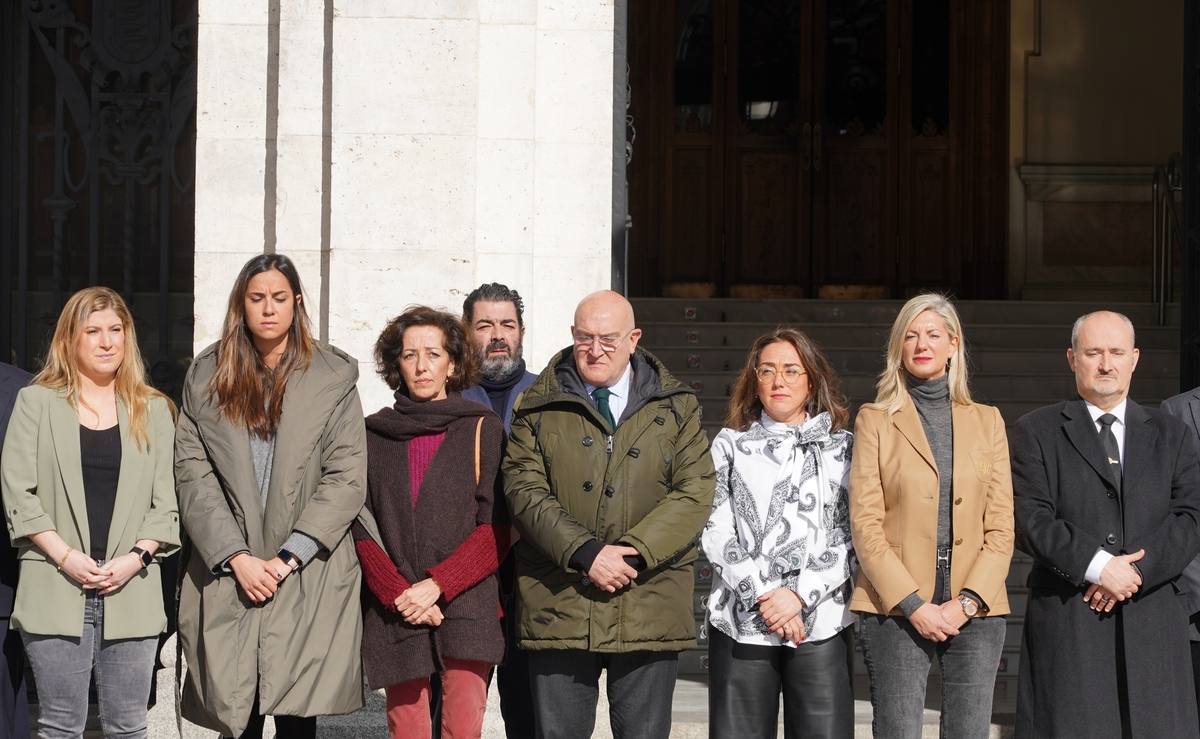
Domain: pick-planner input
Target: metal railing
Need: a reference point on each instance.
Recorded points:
(1166, 233)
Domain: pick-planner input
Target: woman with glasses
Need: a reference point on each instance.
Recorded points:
(779, 542)
(90, 499)
(931, 508)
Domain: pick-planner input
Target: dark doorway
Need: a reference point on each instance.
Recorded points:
(805, 148)
(98, 134)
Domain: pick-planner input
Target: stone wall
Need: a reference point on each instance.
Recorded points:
(405, 152)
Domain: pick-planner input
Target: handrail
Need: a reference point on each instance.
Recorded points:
(1165, 233)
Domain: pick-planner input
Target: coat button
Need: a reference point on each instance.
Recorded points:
(958, 542)
(958, 501)
(1112, 539)
(1111, 495)
(587, 486)
(587, 441)
(609, 490)
(634, 452)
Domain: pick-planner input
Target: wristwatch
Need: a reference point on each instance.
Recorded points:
(143, 555)
(289, 559)
(969, 606)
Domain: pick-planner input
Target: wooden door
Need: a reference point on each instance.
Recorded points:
(855, 92)
(805, 148)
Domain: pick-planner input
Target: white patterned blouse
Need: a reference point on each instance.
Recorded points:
(780, 518)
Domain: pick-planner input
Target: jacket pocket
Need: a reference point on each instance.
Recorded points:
(981, 462)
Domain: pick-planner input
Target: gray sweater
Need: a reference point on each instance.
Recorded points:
(932, 401)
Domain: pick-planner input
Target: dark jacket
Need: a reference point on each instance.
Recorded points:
(478, 394)
(1067, 509)
(571, 480)
(1186, 407)
(450, 507)
(12, 379)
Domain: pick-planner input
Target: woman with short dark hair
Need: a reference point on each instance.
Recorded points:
(90, 498)
(433, 460)
(270, 459)
(779, 542)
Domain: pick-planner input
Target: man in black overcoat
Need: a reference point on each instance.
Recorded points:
(1186, 407)
(14, 710)
(1107, 497)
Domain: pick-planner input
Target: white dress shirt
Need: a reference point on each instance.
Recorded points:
(1101, 557)
(619, 394)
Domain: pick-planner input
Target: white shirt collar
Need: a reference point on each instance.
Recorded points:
(1118, 411)
(620, 388)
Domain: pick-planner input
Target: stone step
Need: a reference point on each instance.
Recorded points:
(882, 312)
(833, 337)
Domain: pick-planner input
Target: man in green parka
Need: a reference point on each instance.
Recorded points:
(609, 481)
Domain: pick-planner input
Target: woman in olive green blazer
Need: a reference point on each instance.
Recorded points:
(88, 489)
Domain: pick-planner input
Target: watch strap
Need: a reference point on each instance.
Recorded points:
(289, 559)
(146, 557)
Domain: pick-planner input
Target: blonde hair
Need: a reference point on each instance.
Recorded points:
(891, 391)
(61, 372)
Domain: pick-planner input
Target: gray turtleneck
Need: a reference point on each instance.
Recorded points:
(932, 401)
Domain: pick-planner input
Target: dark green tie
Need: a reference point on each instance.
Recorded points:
(601, 395)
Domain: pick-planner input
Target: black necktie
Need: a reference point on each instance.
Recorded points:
(1109, 442)
(601, 395)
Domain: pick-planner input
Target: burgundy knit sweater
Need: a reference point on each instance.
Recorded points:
(434, 521)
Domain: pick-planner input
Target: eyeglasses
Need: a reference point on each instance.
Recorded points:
(791, 375)
(608, 343)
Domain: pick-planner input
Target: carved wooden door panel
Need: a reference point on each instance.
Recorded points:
(796, 147)
(768, 228)
(854, 145)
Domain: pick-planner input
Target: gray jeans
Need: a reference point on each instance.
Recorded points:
(898, 661)
(62, 668)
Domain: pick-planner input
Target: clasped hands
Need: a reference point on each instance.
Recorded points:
(418, 605)
(259, 578)
(780, 609)
(1118, 581)
(939, 623)
(106, 578)
(609, 572)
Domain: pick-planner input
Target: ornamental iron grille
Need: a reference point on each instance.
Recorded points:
(99, 131)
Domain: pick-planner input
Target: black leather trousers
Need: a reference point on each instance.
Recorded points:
(745, 682)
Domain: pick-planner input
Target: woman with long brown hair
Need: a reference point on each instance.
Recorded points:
(90, 500)
(270, 459)
(779, 542)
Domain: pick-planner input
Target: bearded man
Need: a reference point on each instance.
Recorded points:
(495, 315)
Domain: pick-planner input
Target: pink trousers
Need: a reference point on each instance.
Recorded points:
(464, 698)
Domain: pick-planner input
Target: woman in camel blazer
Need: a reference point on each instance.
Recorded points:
(931, 513)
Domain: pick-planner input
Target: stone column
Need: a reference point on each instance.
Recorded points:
(405, 152)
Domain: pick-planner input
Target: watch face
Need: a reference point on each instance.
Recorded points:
(968, 605)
